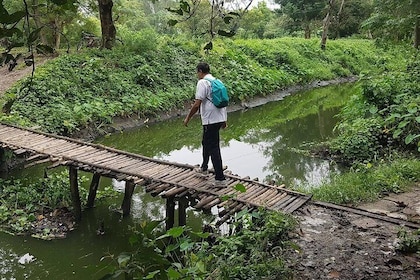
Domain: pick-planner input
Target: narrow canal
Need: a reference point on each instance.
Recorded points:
(269, 142)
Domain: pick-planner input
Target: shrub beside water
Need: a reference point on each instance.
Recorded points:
(152, 74)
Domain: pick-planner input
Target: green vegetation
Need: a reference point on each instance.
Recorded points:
(91, 88)
(409, 242)
(24, 200)
(253, 250)
(369, 182)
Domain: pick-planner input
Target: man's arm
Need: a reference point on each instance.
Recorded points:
(192, 112)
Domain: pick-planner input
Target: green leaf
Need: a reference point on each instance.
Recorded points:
(418, 119)
(412, 110)
(176, 11)
(150, 226)
(5, 18)
(226, 197)
(186, 245)
(410, 137)
(201, 234)
(152, 274)
(234, 14)
(240, 187)
(44, 49)
(61, 2)
(171, 247)
(34, 35)
(403, 124)
(173, 274)
(397, 133)
(226, 33)
(175, 232)
(172, 22)
(4, 32)
(123, 259)
(208, 46)
(227, 19)
(185, 6)
(373, 110)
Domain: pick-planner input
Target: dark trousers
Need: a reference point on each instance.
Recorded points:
(211, 149)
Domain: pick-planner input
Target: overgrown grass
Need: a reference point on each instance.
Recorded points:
(367, 182)
(252, 250)
(154, 74)
(22, 200)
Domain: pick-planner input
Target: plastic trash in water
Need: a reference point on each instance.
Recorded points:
(27, 258)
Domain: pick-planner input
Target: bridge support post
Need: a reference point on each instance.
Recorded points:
(128, 194)
(170, 213)
(3, 163)
(75, 196)
(92, 190)
(182, 211)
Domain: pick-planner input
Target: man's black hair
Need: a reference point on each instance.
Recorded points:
(203, 67)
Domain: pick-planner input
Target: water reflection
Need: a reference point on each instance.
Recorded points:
(264, 142)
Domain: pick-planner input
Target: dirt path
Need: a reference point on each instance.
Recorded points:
(336, 244)
(8, 78)
(341, 245)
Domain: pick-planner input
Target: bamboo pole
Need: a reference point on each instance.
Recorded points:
(182, 211)
(128, 194)
(170, 213)
(75, 196)
(93, 189)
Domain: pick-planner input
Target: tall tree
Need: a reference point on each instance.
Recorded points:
(395, 20)
(223, 17)
(326, 24)
(303, 12)
(109, 32)
(254, 23)
(348, 17)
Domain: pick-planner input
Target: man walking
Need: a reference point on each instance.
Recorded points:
(212, 119)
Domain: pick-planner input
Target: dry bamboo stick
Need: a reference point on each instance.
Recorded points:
(276, 199)
(204, 201)
(294, 205)
(284, 203)
(174, 191)
(59, 147)
(176, 173)
(263, 198)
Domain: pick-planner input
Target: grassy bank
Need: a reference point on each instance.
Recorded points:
(154, 74)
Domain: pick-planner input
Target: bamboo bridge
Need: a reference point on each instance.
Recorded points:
(175, 182)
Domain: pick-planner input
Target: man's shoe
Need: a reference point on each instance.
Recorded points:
(220, 184)
(200, 172)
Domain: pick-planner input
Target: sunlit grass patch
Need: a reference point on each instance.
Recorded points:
(368, 182)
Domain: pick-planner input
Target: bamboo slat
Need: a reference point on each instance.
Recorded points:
(271, 202)
(285, 202)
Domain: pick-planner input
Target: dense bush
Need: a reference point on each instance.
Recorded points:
(253, 250)
(368, 182)
(384, 116)
(149, 74)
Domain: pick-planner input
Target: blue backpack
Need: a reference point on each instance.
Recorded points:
(219, 94)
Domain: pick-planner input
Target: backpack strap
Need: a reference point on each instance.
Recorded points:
(210, 80)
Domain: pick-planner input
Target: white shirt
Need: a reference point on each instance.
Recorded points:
(209, 113)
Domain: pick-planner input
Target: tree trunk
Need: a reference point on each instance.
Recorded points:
(37, 19)
(338, 18)
(57, 33)
(326, 25)
(307, 31)
(107, 24)
(417, 33)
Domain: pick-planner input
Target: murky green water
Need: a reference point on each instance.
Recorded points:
(264, 142)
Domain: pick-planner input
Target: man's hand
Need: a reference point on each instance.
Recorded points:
(224, 125)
